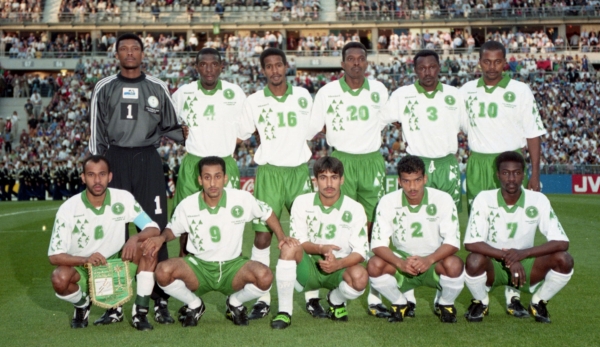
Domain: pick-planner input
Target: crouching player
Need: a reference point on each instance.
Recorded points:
(332, 229)
(423, 226)
(214, 218)
(89, 230)
(500, 237)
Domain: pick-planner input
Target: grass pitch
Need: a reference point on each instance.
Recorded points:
(32, 316)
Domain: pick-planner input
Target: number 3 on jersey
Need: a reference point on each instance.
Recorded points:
(129, 111)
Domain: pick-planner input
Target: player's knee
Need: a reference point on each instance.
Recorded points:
(375, 266)
(262, 240)
(563, 262)
(162, 274)
(475, 263)
(264, 277)
(60, 280)
(453, 266)
(359, 277)
(289, 252)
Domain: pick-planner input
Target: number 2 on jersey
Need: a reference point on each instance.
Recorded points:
(416, 227)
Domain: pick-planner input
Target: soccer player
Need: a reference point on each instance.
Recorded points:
(215, 218)
(422, 224)
(349, 109)
(211, 108)
(502, 116)
(281, 113)
(431, 114)
(88, 229)
(332, 230)
(130, 111)
(500, 237)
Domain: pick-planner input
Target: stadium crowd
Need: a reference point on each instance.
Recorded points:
(21, 11)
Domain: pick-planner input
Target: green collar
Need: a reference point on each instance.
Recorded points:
(337, 205)
(424, 202)
(346, 88)
(520, 202)
(503, 83)
(88, 204)
(282, 98)
(212, 91)
(222, 203)
(429, 95)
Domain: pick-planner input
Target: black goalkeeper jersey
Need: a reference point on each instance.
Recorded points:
(131, 113)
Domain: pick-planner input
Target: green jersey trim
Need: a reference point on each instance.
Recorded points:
(424, 202)
(502, 203)
(289, 91)
(346, 88)
(429, 95)
(337, 205)
(88, 204)
(502, 84)
(212, 91)
(222, 203)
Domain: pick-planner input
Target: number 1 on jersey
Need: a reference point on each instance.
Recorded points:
(158, 210)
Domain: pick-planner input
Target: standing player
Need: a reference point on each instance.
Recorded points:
(215, 218)
(503, 116)
(211, 108)
(431, 114)
(130, 111)
(87, 230)
(332, 230)
(349, 109)
(281, 114)
(500, 237)
(422, 224)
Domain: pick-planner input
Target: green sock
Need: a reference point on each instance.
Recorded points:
(83, 301)
(142, 301)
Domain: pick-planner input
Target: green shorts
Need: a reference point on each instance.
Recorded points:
(311, 277)
(406, 282)
(187, 183)
(481, 174)
(279, 186)
(84, 278)
(364, 177)
(502, 275)
(214, 275)
(443, 174)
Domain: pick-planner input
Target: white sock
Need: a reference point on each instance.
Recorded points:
(313, 294)
(73, 297)
(436, 298)
(410, 296)
(388, 287)
(553, 283)
(451, 287)
(285, 274)
(343, 293)
(249, 292)
(374, 298)
(145, 283)
(477, 287)
(509, 292)
(179, 291)
(262, 256)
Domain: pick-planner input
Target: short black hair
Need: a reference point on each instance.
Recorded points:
(426, 53)
(207, 51)
(129, 36)
(210, 161)
(269, 52)
(492, 46)
(350, 45)
(328, 164)
(411, 164)
(96, 159)
(510, 156)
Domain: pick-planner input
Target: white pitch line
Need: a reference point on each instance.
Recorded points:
(27, 211)
(23, 231)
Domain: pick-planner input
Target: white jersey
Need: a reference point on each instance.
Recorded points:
(216, 234)
(352, 118)
(430, 121)
(81, 230)
(501, 118)
(418, 230)
(211, 115)
(283, 124)
(344, 224)
(500, 226)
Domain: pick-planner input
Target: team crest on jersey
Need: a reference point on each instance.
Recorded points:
(153, 101)
(375, 97)
(347, 217)
(237, 211)
(302, 102)
(431, 209)
(118, 208)
(98, 232)
(509, 97)
(130, 93)
(228, 94)
(531, 211)
(450, 100)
